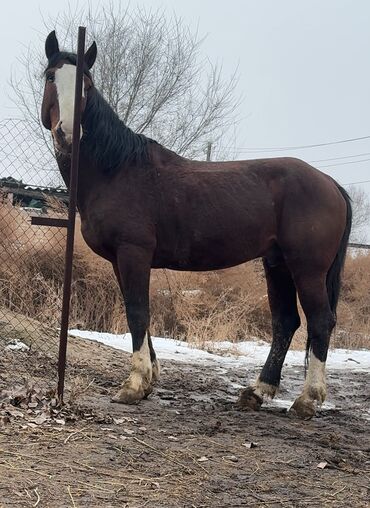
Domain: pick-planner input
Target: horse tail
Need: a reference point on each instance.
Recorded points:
(333, 278)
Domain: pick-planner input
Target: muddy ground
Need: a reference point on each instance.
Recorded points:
(188, 445)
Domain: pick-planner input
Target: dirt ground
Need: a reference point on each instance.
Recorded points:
(188, 445)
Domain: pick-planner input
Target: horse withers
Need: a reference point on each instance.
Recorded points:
(142, 206)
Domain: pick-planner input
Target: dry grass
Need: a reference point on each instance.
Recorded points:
(229, 304)
(353, 329)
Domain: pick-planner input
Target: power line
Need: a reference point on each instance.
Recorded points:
(355, 183)
(342, 157)
(297, 147)
(344, 163)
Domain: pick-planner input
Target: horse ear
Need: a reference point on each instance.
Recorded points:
(51, 45)
(90, 55)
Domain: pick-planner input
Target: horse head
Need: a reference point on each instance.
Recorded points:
(59, 92)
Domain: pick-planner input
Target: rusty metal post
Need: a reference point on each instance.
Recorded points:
(71, 214)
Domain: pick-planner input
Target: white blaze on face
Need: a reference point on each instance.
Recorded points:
(65, 79)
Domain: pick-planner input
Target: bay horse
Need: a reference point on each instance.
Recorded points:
(142, 206)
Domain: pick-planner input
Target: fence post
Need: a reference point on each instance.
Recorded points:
(71, 214)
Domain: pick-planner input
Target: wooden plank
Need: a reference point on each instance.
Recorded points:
(49, 221)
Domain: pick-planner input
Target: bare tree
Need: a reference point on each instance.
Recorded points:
(150, 71)
(361, 214)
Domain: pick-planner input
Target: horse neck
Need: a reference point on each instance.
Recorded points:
(64, 164)
(109, 147)
(88, 179)
(107, 140)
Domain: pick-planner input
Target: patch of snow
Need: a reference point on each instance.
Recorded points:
(280, 403)
(248, 353)
(17, 345)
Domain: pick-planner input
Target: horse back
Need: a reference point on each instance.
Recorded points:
(215, 215)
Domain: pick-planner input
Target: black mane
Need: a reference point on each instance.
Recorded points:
(108, 140)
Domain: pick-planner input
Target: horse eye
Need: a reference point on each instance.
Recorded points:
(50, 78)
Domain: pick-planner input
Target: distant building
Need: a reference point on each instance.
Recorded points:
(17, 193)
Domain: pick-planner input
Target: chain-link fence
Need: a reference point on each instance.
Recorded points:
(31, 257)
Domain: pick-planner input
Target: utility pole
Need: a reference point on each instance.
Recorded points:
(209, 149)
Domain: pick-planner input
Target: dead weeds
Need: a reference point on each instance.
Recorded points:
(228, 304)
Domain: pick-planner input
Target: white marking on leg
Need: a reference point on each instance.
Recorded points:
(65, 79)
(141, 369)
(315, 384)
(263, 388)
(138, 384)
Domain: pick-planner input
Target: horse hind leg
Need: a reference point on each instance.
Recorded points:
(285, 321)
(321, 320)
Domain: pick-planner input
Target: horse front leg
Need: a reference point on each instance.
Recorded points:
(132, 268)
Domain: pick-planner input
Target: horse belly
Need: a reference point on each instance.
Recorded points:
(213, 248)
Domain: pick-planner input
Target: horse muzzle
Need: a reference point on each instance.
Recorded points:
(62, 141)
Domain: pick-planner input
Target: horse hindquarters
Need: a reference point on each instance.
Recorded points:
(319, 295)
(305, 260)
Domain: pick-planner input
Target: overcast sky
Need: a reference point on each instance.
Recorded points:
(304, 70)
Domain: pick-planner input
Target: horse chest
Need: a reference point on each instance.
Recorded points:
(95, 235)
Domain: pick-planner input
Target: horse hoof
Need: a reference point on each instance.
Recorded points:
(304, 408)
(129, 396)
(248, 399)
